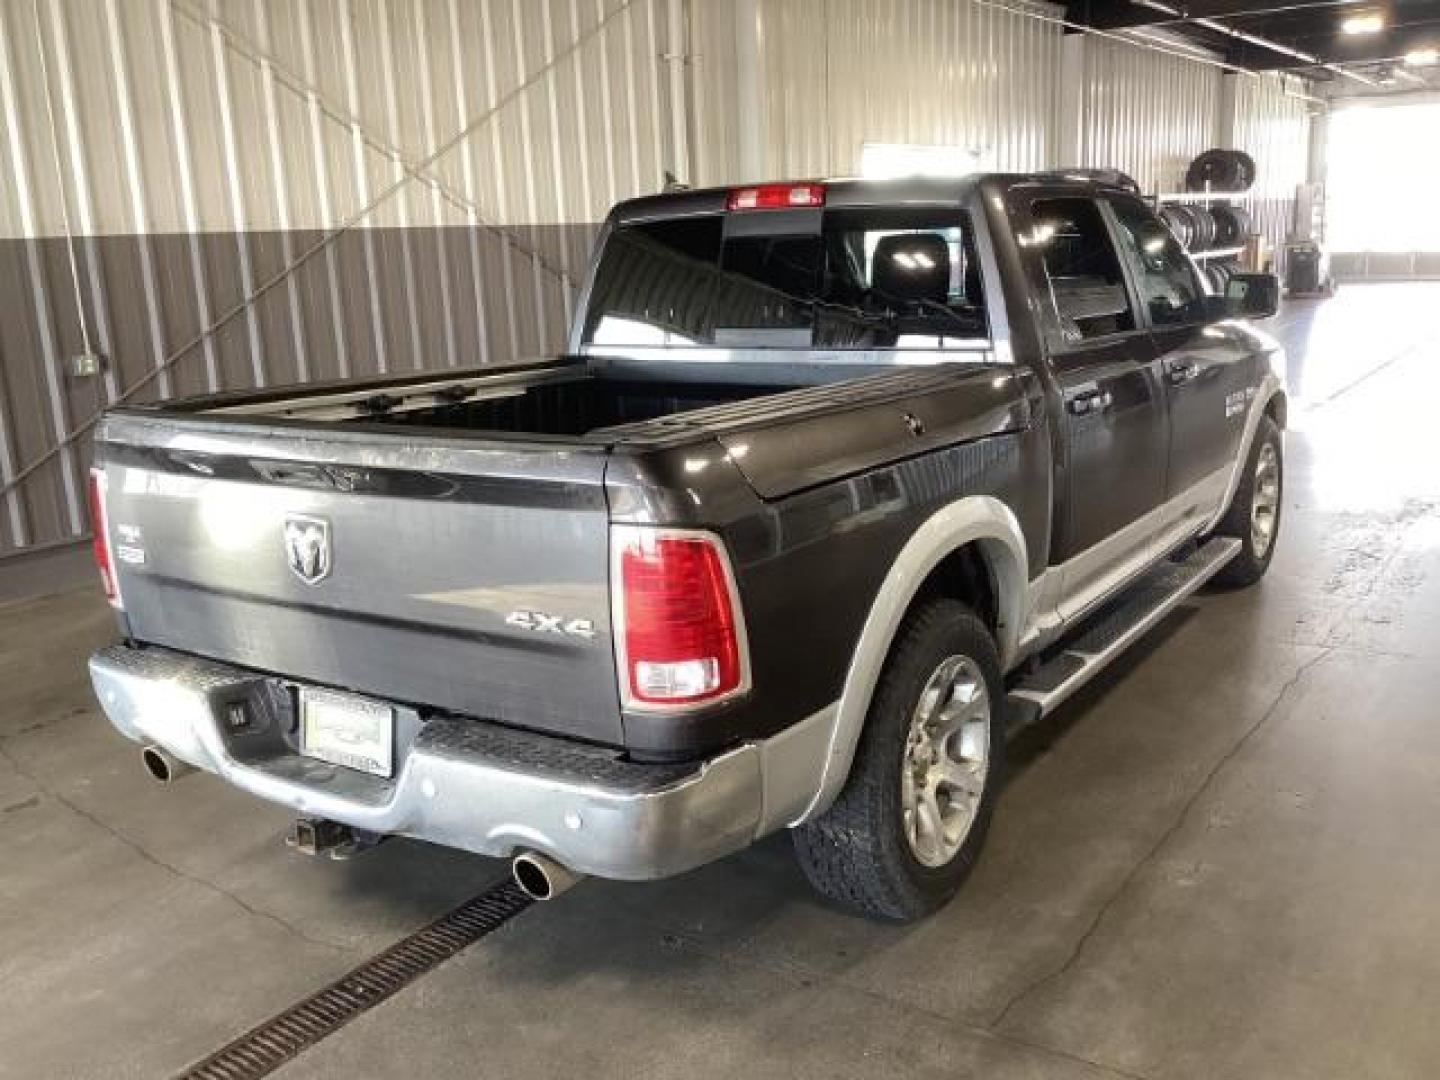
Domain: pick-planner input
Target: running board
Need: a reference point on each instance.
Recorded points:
(1127, 618)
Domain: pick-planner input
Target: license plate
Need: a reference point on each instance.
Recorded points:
(347, 730)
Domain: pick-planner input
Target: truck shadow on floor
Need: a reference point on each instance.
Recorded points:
(755, 909)
(1036, 740)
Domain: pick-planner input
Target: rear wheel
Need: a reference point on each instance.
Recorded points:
(1254, 514)
(905, 830)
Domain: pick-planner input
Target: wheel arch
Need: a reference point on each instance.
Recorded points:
(1270, 400)
(979, 528)
(1277, 407)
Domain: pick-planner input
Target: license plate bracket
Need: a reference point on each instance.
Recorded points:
(348, 730)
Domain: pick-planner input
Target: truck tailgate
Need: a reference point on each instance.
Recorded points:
(467, 575)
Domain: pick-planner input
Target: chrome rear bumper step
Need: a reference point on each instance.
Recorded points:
(1115, 628)
(458, 781)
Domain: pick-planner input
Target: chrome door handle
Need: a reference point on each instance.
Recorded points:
(1182, 371)
(1090, 401)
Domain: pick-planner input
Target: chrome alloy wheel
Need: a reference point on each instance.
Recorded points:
(1265, 500)
(947, 756)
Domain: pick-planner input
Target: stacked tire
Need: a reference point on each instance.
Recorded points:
(1178, 221)
(1221, 171)
(1232, 225)
(1201, 228)
(1218, 272)
(1193, 226)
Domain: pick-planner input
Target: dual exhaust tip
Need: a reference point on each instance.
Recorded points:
(537, 876)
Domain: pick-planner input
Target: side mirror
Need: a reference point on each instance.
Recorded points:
(1252, 296)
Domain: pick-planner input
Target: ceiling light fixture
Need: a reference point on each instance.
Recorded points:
(1369, 23)
(1422, 58)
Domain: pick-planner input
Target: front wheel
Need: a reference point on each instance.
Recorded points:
(1254, 514)
(905, 830)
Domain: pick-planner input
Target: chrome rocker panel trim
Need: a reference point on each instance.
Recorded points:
(452, 790)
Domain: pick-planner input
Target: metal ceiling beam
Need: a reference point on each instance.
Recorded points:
(1388, 45)
(1258, 52)
(1123, 15)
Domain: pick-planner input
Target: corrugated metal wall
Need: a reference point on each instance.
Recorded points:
(204, 152)
(840, 73)
(1147, 113)
(1272, 124)
(266, 191)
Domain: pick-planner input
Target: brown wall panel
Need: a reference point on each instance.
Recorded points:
(131, 349)
(441, 260)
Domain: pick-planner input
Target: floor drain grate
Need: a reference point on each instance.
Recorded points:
(264, 1048)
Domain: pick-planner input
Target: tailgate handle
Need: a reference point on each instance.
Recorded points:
(282, 472)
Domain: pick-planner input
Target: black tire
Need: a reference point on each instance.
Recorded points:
(1178, 223)
(1206, 225)
(1243, 224)
(1250, 564)
(1246, 165)
(1220, 170)
(1202, 227)
(1229, 229)
(856, 853)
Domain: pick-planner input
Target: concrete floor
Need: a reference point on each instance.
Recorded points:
(1222, 861)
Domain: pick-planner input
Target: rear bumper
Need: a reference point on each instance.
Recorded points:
(458, 782)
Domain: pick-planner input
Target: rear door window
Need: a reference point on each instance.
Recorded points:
(1083, 276)
(879, 278)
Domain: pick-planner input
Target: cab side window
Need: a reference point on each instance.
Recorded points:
(1082, 270)
(1169, 287)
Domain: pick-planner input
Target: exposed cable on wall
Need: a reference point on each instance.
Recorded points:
(70, 239)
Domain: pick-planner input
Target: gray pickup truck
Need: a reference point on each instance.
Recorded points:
(836, 483)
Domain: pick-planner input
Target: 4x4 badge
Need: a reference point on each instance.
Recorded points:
(307, 547)
(551, 624)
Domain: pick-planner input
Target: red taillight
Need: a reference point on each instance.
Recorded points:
(100, 546)
(776, 197)
(679, 636)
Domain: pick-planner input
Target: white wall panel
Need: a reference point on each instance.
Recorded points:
(1272, 124)
(840, 73)
(1147, 113)
(364, 66)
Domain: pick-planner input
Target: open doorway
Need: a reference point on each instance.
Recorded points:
(1380, 159)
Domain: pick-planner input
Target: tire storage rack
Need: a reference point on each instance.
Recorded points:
(1209, 218)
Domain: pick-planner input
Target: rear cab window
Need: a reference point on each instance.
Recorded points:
(880, 278)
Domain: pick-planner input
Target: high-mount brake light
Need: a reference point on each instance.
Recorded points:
(100, 545)
(776, 197)
(679, 636)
